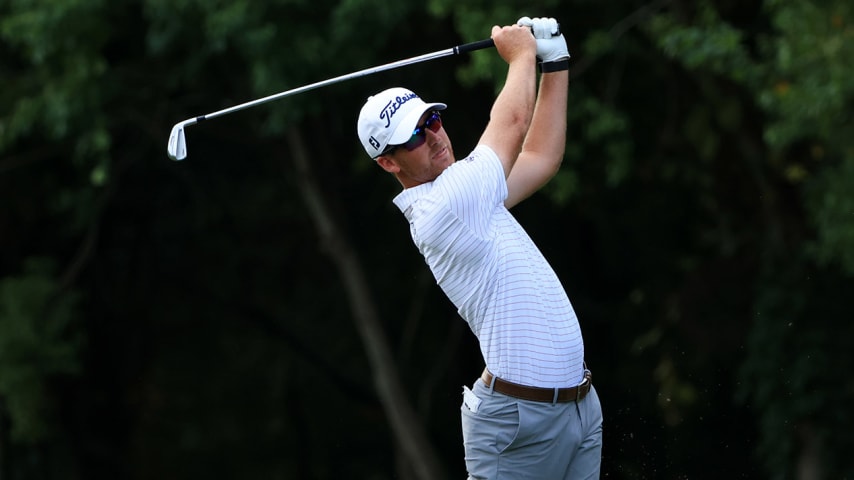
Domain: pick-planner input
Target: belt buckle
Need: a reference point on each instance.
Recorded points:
(585, 382)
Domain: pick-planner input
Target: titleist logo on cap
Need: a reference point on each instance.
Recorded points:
(393, 106)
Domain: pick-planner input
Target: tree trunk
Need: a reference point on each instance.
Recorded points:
(2, 438)
(409, 433)
(809, 457)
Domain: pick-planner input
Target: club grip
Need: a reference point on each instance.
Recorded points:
(470, 47)
(481, 44)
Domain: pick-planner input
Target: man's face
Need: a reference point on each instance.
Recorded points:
(425, 162)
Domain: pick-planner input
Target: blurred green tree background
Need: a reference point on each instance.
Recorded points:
(213, 319)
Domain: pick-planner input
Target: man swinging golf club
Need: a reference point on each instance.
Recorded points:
(533, 413)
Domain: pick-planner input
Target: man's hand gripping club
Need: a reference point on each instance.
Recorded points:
(551, 45)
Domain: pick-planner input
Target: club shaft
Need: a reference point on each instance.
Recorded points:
(465, 48)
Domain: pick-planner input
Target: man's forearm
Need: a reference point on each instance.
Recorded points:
(547, 135)
(545, 143)
(512, 111)
(515, 102)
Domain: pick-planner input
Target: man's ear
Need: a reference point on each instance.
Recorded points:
(388, 164)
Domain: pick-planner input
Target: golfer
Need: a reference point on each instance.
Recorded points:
(533, 413)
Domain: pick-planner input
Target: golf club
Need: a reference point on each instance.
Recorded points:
(177, 146)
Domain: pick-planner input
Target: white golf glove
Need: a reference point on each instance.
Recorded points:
(551, 46)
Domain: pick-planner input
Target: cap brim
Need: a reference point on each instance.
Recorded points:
(407, 125)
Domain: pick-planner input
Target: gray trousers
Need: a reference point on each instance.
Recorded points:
(506, 438)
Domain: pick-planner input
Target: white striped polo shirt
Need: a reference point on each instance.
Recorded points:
(491, 270)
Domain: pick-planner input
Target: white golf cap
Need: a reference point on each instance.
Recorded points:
(389, 117)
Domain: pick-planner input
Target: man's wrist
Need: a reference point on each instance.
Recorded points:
(555, 66)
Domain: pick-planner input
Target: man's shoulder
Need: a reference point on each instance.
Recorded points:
(408, 196)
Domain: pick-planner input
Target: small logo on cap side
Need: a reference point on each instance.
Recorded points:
(393, 106)
(374, 143)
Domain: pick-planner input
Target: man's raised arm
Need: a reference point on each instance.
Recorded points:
(545, 143)
(510, 117)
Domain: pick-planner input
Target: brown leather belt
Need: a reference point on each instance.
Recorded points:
(539, 394)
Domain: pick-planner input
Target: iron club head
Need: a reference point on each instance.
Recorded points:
(177, 146)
